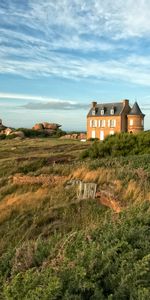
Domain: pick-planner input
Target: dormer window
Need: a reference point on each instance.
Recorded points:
(93, 112)
(102, 111)
(112, 111)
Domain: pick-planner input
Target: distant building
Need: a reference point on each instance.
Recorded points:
(110, 118)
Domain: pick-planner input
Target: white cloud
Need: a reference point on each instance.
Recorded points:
(133, 70)
(42, 103)
(37, 38)
(32, 97)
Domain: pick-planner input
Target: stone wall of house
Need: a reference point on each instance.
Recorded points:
(107, 129)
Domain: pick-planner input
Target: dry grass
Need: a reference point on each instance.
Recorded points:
(105, 178)
(99, 176)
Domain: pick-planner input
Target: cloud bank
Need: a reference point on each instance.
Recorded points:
(76, 39)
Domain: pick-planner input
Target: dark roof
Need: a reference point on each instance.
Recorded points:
(118, 107)
(135, 110)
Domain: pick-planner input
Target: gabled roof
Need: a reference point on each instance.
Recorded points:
(135, 110)
(118, 107)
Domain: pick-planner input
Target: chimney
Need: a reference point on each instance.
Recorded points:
(125, 102)
(94, 104)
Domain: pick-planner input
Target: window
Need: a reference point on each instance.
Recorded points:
(112, 123)
(142, 122)
(131, 122)
(112, 111)
(93, 112)
(101, 135)
(93, 123)
(102, 111)
(101, 123)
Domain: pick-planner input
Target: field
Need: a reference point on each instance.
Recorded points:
(54, 245)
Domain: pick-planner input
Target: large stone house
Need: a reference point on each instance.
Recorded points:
(110, 118)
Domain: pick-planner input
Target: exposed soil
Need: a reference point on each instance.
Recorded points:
(107, 199)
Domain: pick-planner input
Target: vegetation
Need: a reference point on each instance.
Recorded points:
(56, 246)
(30, 133)
(122, 144)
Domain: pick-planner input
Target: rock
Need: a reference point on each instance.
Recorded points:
(75, 136)
(52, 126)
(8, 131)
(18, 134)
(38, 126)
(49, 131)
(67, 136)
(2, 128)
(82, 136)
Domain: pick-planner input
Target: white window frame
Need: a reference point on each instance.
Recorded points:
(93, 123)
(112, 111)
(102, 112)
(101, 123)
(112, 123)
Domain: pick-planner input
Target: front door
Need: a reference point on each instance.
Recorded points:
(93, 134)
(101, 135)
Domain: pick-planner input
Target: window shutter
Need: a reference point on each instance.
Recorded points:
(108, 123)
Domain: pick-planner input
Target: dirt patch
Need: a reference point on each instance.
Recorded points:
(59, 159)
(107, 199)
(45, 180)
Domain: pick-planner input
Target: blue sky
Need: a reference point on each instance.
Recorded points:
(56, 56)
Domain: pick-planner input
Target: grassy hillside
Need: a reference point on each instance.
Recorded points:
(56, 246)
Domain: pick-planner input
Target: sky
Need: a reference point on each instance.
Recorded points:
(57, 56)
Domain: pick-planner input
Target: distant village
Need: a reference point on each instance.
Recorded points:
(103, 119)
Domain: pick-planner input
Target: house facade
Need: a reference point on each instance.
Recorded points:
(110, 118)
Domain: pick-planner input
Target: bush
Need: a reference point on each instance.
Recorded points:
(30, 133)
(10, 136)
(122, 144)
(110, 261)
(2, 136)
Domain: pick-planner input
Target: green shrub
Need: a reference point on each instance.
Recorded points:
(110, 261)
(2, 136)
(122, 144)
(10, 136)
